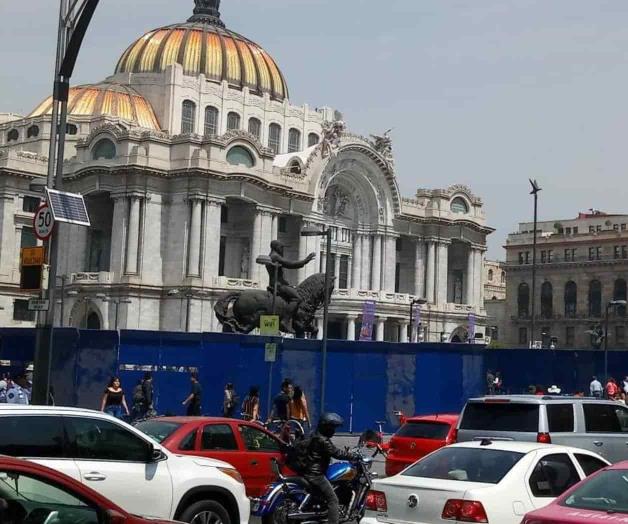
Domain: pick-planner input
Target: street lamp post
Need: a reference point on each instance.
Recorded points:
(535, 192)
(612, 304)
(326, 232)
(415, 302)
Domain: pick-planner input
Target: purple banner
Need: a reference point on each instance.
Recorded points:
(416, 315)
(368, 317)
(471, 328)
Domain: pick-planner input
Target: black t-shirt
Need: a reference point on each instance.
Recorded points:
(114, 398)
(281, 402)
(197, 391)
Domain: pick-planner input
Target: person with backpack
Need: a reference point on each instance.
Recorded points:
(143, 397)
(250, 406)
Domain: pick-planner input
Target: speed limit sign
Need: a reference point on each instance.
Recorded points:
(43, 222)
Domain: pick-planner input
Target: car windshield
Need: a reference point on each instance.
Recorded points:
(501, 416)
(158, 430)
(424, 429)
(607, 492)
(465, 464)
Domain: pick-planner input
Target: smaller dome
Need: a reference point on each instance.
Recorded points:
(106, 99)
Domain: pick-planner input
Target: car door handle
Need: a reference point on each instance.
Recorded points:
(598, 443)
(254, 462)
(94, 476)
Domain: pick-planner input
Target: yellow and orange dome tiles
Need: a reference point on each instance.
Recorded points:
(106, 99)
(206, 49)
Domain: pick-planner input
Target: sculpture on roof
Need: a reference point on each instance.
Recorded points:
(332, 132)
(383, 145)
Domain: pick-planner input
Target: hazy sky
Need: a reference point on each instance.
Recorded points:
(480, 92)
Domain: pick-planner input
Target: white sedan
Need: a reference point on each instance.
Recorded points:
(487, 481)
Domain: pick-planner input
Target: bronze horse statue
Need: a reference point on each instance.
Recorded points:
(240, 311)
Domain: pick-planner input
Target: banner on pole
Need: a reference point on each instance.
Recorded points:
(416, 315)
(471, 328)
(368, 318)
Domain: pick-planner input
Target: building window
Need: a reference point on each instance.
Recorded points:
(523, 300)
(624, 251)
(570, 255)
(224, 214)
(399, 245)
(591, 229)
(459, 206)
(616, 252)
(27, 238)
(547, 300)
(570, 336)
(503, 277)
(543, 257)
(623, 227)
(312, 139)
(568, 231)
(620, 335)
(13, 135)
(274, 138)
(188, 117)
(595, 253)
(550, 256)
(619, 293)
(527, 257)
(255, 127)
(571, 299)
(575, 230)
(104, 149)
(233, 121)
(71, 129)
(523, 336)
(283, 225)
(240, 156)
(295, 167)
(21, 312)
(490, 275)
(598, 229)
(211, 121)
(221, 256)
(615, 227)
(32, 132)
(30, 204)
(595, 299)
(343, 278)
(294, 140)
(397, 276)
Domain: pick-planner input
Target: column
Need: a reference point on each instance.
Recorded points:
(256, 239)
(194, 242)
(351, 327)
(376, 272)
(118, 241)
(403, 331)
(365, 276)
(275, 227)
(380, 325)
(442, 272)
(337, 269)
(133, 236)
(356, 261)
(419, 269)
(429, 274)
(265, 240)
(479, 279)
(211, 241)
(469, 286)
(303, 272)
(389, 265)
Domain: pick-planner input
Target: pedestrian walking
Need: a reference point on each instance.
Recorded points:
(612, 389)
(281, 403)
(230, 401)
(595, 388)
(498, 383)
(143, 397)
(298, 407)
(194, 399)
(250, 406)
(490, 383)
(113, 401)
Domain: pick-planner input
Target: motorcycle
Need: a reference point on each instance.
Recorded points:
(291, 499)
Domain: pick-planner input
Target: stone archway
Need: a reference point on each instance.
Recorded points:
(460, 335)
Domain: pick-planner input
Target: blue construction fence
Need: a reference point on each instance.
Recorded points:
(366, 381)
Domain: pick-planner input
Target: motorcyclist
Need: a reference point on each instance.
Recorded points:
(319, 453)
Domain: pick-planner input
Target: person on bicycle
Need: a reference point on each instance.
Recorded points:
(318, 454)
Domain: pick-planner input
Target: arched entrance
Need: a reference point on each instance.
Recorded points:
(460, 335)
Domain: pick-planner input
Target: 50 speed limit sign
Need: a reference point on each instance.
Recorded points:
(43, 222)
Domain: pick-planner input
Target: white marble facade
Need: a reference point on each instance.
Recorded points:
(178, 219)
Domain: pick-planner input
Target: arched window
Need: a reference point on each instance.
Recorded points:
(295, 167)
(547, 300)
(240, 156)
(503, 277)
(188, 117)
(32, 132)
(459, 206)
(71, 129)
(312, 139)
(104, 149)
(595, 299)
(619, 293)
(294, 140)
(523, 300)
(490, 275)
(255, 127)
(571, 299)
(211, 121)
(93, 321)
(274, 137)
(233, 121)
(13, 135)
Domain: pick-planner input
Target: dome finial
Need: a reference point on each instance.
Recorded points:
(207, 12)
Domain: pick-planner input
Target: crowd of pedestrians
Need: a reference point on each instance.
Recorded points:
(612, 390)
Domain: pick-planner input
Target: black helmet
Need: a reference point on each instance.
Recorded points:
(328, 423)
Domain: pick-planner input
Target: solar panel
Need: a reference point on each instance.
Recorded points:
(68, 207)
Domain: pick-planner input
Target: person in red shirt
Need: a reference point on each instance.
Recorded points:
(612, 389)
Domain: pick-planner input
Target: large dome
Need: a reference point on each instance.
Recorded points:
(203, 45)
(106, 99)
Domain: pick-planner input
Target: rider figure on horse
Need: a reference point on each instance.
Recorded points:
(284, 289)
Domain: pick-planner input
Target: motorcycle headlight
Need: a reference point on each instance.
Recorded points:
(233, 473)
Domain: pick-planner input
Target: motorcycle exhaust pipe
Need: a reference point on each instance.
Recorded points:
(306, 516)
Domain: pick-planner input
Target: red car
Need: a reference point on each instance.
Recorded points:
(33, 493)
(247, 446)
(602, 497)
(417, 437)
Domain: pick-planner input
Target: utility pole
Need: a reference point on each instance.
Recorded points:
(535, 192)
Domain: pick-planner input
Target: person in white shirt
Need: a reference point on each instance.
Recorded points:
(596, 388)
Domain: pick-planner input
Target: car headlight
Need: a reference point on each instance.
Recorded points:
(233, 473)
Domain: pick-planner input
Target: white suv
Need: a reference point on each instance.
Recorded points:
(124, 465)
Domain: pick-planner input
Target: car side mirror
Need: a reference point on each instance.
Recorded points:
(114, 517)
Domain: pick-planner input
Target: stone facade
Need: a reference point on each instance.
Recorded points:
(582, 264)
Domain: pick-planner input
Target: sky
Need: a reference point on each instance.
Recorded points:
(484, 93)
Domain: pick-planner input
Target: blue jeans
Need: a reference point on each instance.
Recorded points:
(114, 411)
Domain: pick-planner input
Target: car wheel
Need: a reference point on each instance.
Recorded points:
(206, 512)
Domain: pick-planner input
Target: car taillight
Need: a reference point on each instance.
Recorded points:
(452, 438)
(464, 511)
(543, 438)
(376, 501)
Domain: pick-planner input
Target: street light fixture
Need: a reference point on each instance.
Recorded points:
(325, 232)
(415, 302)
(612, 304)
(535, 192)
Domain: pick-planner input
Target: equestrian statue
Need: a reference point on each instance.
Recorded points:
(240, 311)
